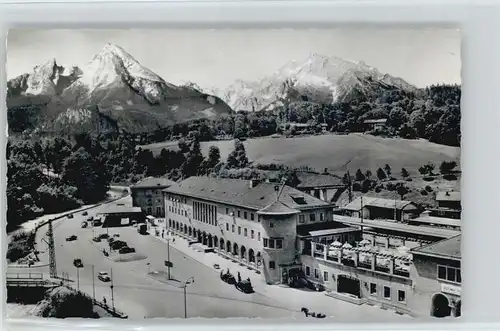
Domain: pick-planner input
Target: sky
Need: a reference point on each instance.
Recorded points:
(216, 58)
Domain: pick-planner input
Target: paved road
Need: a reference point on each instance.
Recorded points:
(138, 294)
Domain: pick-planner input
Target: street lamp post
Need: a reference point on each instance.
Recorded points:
(78, 278)
(93, 282)
(168, 258)
(112, 292)
(190, 280)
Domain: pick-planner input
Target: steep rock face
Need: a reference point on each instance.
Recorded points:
(113, 92)
(317, 79)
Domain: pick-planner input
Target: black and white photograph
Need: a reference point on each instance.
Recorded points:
(300, 174)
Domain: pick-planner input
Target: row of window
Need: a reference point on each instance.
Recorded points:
(243, 214)
(273, 243)
(150, 201)
(205, 212)
(178, 211)
(449, 274)
(373, 286)
(388, 293)
(177, 199)
(312, 217)
(245, 231)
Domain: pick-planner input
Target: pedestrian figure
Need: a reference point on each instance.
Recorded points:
(104, 301)
(239, 277)
(173, 240)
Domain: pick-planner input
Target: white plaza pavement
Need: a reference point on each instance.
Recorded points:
(293, 299)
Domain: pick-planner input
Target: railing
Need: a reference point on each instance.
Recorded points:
(402, 272)
(24, 276)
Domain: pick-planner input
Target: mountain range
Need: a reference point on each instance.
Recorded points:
(114, 92)
(318, 79)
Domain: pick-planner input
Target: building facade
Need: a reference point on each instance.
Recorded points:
(147, 194)
(322, 186)
(436, 269)
(378, 208)
(253, 223)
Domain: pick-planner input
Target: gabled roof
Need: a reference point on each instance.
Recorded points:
(239, 192)
(277, 208)
(355, 205)
(117, 209)
(154, 182)
(448, 248)
(310, 180)
(448, 196)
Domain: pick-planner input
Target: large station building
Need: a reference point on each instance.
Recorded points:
(410, 267)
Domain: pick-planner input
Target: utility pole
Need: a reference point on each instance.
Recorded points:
(112, 292)
(361, 215)
(349, 182)
(395, 208)
(52, 252)
(93, 282)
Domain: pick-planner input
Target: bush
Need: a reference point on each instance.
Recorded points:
(378, 189)
(428, 188)
(391, 187)
(356, 187)
(63, 303)
(22, 244)
(424, 192)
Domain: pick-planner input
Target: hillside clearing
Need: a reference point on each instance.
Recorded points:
(338, 153)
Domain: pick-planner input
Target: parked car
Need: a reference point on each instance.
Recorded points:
(126, 249)
(104, 236)
(116, 235)
(85, 213)
(96, 222)
(90, 219)
(244, 286)
(96, 239)
(71, 238)
(84, 224)
(70, 216)
(103, 276)
(78, 263)
(111, 239)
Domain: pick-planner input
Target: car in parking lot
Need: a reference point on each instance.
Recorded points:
(70, 216)
(103, 276)
(126, 250)
(96, 239)
(71, 238)
(78, 263)
(85, 213)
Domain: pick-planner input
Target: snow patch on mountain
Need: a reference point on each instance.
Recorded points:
(318, 79)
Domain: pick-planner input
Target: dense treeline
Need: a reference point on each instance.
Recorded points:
(432, 113)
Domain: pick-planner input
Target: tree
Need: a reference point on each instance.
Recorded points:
(405, 173)
(388, 170)
(381, 174)
(359, 176)
(402, 190)
(81, 171)
(427, 169)
(238, 157)
(447, 167)
(194, 159)
(368, 174)
(213, 160)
